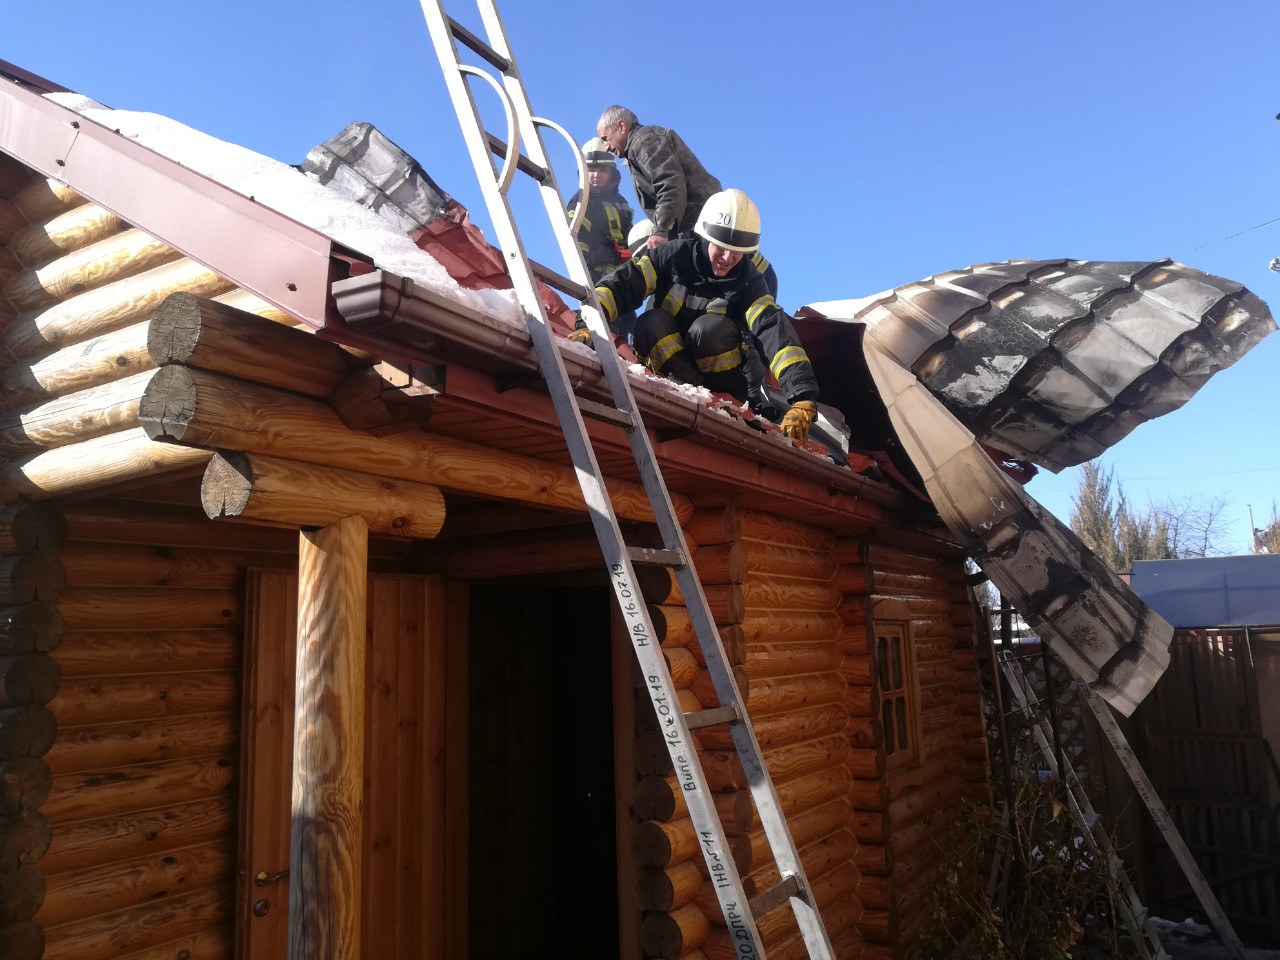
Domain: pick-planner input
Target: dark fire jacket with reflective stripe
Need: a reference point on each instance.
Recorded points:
(670, 181)
(678, 276)
(607, 220)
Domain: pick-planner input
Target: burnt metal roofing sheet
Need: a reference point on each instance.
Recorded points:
(1054, 361)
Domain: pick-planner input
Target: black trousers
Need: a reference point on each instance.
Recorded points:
(707, 352)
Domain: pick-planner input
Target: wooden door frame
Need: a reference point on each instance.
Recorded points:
(271, 612)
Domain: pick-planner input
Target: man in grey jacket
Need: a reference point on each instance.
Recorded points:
(671, 183)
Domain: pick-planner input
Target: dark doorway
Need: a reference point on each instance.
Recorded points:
(543, 866)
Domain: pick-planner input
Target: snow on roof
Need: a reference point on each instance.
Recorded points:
(288, 191)
(846, 309)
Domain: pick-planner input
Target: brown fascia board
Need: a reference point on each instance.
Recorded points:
(394, 317)
(256, 248)
(14, 72)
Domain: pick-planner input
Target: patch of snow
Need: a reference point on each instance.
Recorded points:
(846, 309)
(286, 190)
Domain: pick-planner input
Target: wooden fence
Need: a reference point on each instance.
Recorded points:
(1200, 737)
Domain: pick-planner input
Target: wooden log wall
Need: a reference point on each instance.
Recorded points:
(31, 580)
(78, 289)
(114, 343)
(663, 844)
(143, 794)
(796, 702)
(899, 806)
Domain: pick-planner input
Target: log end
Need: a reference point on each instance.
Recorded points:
(227, 485)
(169, 403)
(174, 330)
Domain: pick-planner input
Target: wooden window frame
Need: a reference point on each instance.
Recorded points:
(899, 686)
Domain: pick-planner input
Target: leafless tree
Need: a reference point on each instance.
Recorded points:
(1267, 539)
(1119, 534)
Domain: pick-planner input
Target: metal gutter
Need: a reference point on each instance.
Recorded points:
(259, 249)
(395, 317)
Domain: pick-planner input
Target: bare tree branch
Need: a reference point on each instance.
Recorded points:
(1103, 518)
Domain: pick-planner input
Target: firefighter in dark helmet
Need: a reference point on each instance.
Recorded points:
(713, 307)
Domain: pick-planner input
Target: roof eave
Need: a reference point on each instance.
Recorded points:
(394, 317)
(263, 251)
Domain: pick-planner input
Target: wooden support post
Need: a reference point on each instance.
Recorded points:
(328, 744)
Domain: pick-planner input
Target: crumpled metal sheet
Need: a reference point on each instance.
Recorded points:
(364, 164)
(1054, 361)
(1051, 361)
(1089, 618)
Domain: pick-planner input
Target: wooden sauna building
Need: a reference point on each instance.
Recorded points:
(224, 432)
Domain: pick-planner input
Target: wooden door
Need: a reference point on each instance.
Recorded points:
(415, 776)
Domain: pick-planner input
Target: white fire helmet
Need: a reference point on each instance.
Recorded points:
(729, 219)
(639, 236)
(596, 153)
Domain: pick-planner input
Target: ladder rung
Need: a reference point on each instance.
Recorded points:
(478, 46)
(654, 557)
(558, 282)
(602, 411)
(523, 163)
(712, 717)
(775, 896)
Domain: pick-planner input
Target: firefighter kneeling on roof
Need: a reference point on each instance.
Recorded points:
(713, 309)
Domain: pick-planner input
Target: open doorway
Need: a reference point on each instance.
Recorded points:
(543, 866)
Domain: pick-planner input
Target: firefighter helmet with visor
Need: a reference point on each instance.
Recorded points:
(729, 219)
(596, 153)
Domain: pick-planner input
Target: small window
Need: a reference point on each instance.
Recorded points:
(899, 711)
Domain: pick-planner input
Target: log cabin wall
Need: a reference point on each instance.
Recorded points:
(78, 290)
(779, 610)
(143, 799)
(681, 916)
(76, 286)
(30, 628)
(915, 677)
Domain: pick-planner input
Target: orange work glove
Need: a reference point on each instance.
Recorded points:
(795, 422)
(581, 335)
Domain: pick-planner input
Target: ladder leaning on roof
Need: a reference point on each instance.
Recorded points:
(740, 913)
(1092, 831)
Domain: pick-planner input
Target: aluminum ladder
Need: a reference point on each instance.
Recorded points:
(740, 912)
(1132, 910)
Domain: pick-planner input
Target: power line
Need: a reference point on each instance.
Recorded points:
(1205, 476)
(1238, 234)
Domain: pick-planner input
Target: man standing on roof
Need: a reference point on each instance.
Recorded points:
(602, 235)
(713, 308)
(670, 182)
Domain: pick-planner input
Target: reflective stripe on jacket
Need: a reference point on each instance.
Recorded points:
(604, 229)
(678, 276)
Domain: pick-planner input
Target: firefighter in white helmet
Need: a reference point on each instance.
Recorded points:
(602, 236)
(713, 307)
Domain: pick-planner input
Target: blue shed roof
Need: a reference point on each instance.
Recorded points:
(1213, 591)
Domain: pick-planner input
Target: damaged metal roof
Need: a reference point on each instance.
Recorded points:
(1051, 361)
(1054, 361)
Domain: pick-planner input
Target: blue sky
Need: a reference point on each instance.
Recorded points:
(882, 142)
